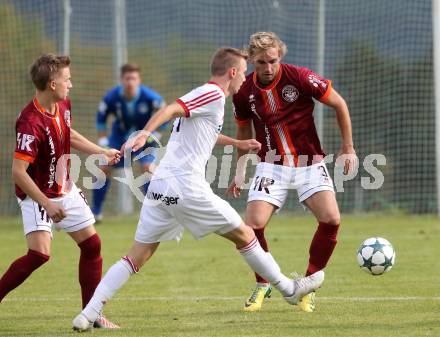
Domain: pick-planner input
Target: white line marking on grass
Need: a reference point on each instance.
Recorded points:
(225, 298)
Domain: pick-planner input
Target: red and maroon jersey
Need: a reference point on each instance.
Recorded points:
(42, 139)
(282, 114)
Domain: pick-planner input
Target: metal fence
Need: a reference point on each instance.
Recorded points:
(377, 53)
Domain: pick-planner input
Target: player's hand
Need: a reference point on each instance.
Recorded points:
(249, 145)
(135, 143)
(347, 158)
(113, 156)
(235, 187)
(233, 190)
(55, 211)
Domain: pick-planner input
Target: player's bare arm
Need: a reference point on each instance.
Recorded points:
(81, 143)
(161, 116)
(244, 131)
(336, 101)
(242, 145)
(28, 186)
(158, 134)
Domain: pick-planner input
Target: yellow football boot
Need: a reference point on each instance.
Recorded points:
(255, 301)
(307, 303)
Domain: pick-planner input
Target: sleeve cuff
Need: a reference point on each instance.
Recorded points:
(24, 157)
(180, 102)
(327, 92)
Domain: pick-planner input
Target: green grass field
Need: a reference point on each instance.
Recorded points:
(198, 288)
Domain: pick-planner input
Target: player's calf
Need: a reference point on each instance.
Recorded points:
(90, 267)
(113, 280)
(241, 236)
(322, 247)
(20, 270)
(140, 253)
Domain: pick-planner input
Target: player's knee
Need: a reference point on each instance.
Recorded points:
(37, 258)
(255, 222)
(44, 251)
(91, 247)
(331, 219)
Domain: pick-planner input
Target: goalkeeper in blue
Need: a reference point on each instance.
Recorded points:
(131, 105)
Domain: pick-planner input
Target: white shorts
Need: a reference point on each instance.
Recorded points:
(176, 203)
(78, 213)
(272, 182)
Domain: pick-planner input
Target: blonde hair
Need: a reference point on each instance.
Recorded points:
(225, 58)
(262, 41)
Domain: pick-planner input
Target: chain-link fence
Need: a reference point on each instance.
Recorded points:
(377, 53)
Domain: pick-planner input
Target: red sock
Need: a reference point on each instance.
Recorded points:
(90, 267)
(322, 246)
(259, 233)
(20, 270)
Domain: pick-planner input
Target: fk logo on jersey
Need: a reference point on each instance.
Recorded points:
(24, 141)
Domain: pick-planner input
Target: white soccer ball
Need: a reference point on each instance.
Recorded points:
(376, 256)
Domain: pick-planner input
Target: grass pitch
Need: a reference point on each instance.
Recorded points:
(198, 288)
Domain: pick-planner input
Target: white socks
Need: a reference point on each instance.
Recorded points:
(114, 279)
(264, 264)
(261, 262)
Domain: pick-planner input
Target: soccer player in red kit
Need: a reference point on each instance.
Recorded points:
(277, 99)
(46, 195)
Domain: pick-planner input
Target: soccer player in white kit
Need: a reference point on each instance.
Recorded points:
(179, 196)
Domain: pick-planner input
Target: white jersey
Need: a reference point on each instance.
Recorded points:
(178, 196)
(194, 136)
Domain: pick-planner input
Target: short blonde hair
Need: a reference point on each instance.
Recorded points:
(262, 41)
(225, 58)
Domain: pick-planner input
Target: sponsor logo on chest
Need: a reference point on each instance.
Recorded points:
(290, 93)
(52, 159)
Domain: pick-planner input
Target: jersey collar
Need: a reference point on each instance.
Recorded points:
(43, 110)
(134, 99)
(212, 82)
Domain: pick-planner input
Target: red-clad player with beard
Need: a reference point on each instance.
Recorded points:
(46, 195)
(277, 99)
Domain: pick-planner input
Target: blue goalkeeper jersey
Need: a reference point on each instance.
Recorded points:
(129, 115)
